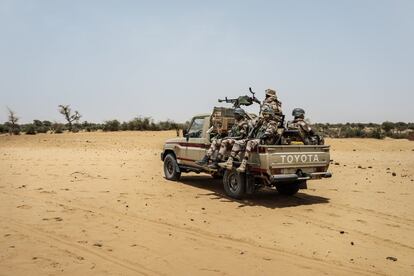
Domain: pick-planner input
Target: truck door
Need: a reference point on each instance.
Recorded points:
(197, 141)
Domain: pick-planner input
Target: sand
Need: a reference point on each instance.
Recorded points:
(98, 204)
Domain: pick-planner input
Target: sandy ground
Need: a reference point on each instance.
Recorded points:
(97, 204)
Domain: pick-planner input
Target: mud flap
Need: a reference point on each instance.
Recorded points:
(177, 168)
(250, 185)
(303, 185)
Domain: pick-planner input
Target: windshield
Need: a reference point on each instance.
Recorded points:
(196, 128)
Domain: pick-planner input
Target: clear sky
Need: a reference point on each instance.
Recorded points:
(339, 60)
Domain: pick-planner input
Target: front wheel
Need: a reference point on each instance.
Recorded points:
(170, 165)
(288, 188)
(234, 184)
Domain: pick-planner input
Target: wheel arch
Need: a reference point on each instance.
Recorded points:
(168, 151)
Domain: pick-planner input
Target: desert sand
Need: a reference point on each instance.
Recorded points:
(98, 204)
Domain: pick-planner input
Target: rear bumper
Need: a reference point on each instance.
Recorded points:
(295, 177)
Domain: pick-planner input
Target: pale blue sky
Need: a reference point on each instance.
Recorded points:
(340, 60)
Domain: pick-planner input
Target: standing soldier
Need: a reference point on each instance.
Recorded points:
(273, 102)
(265, 132)
(306, 133)
(238, 131)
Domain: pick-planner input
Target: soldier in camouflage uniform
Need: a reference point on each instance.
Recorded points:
(273, 102)
(238, 131)
(266, 134)
(306, 133)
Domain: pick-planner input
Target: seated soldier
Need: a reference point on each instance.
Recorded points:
(238, 131)
(307, 135)
(265, 132)
(238, 134)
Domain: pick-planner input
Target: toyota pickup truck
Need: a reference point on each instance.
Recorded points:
(284, 167)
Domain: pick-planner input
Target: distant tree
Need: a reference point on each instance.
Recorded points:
(112, 125)
(40, 127)
(30, 129)
(57, 128)
(401, 126)
(47, 124)
(13, 119)
(66, 111)
(387, 126)
(376, 133)
(124, 126)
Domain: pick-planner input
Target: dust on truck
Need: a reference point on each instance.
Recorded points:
(284, 167)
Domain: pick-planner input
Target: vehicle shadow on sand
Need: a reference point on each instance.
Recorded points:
(269, 198)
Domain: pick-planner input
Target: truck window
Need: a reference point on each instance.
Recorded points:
(196, 128)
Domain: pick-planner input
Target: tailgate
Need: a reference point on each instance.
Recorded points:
(307, 159)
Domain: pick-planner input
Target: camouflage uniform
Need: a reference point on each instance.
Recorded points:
(301, 125)
(239, 129)
(271, 101)
(215, 145)
(266, 134)
(238, 132)
(306, 133)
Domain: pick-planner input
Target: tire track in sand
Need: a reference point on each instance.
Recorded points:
(46, 237)
(217, 238)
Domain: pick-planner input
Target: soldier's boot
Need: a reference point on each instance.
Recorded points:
(215, 164)
(228, 164)
(203, 161)
(242, 167)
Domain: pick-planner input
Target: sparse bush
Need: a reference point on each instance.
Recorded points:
(124, 126)
(3, 128)
(42, 129)
(30, 129)
(387, 126)
(57, 128)
(376, 133)
(112, 125)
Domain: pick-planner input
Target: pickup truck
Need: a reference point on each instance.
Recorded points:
(284, 167)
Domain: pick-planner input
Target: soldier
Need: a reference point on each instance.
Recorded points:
(272, 101)
(266, 133)
(306, 133)
(238, 131)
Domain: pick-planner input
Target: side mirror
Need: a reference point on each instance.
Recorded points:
(185, 132)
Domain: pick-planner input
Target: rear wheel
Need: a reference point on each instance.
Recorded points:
(234, 184)
(170, 168)
(288, 188)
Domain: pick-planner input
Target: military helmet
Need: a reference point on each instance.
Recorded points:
(297, 112)
(239, 111)
(270, 92)
(268, 110)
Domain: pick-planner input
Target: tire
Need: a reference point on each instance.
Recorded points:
(234, 184)
(288, 188)
(170, 165)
